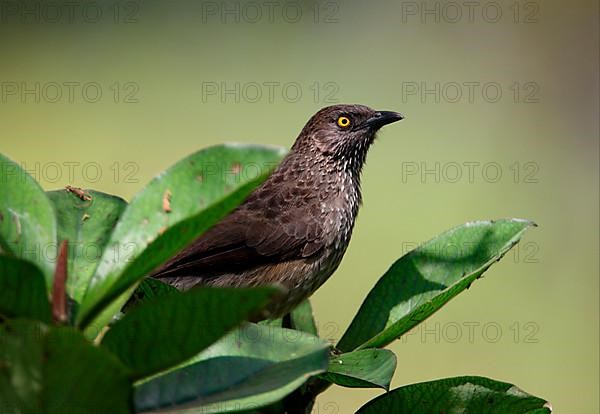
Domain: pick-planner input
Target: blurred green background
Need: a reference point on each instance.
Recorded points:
(532, 320)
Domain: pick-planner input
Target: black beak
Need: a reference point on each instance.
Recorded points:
(382, 118)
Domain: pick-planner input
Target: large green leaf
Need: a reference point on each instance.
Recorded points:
(163, 332)
(366, 368)
(27, 222)
(22, 290)
(457, 395)
(86, 222)
(249, 368)
(170, 212)
(21, 376)
(422, 281)
(56, 370)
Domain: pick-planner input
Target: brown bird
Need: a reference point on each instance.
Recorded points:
(294, 229)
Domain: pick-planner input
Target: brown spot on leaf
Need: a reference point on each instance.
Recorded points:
(79, 192)
(236, 167)
(85, 217)
(166, 202)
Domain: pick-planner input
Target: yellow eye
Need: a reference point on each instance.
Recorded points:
(343, 121)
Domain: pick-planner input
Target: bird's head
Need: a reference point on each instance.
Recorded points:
(344, 132)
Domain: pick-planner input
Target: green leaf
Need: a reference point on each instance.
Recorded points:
(366, 368)
(457, 395)
(166, 331)
(27, 222)
(425, 279)
(148, 289)
(249, 368)
(302, 318)
(22, 290)
(170, 212)
(86, 224)
(56, 370)
(21, 376)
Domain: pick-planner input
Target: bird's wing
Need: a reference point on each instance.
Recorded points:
(271, 226)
